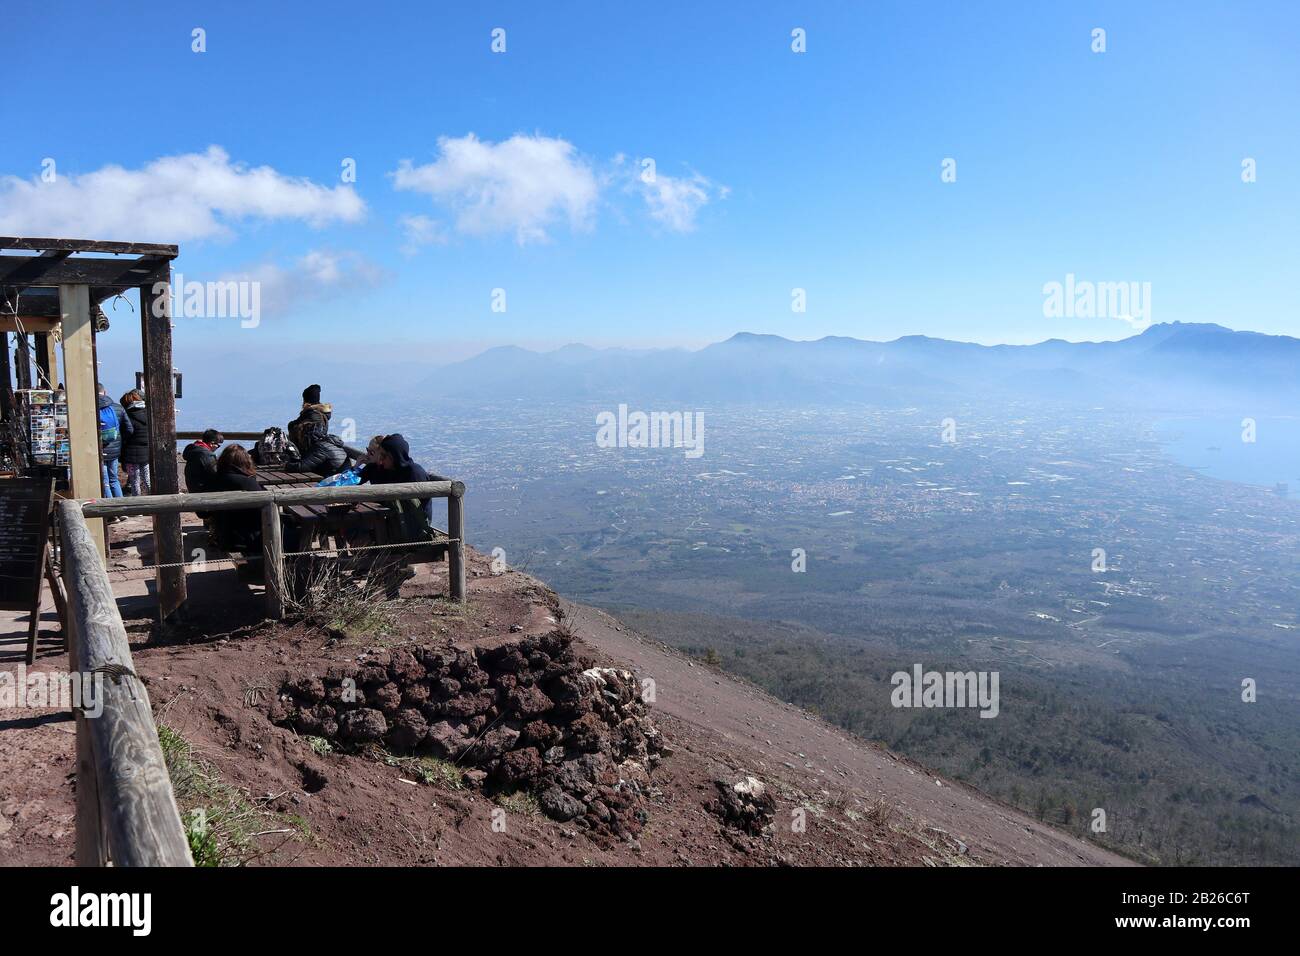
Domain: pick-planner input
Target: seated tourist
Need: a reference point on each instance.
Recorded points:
(237, 530)
(313, 409)
(322, 453)
(393, 465)
(201, 461)
(372, 451)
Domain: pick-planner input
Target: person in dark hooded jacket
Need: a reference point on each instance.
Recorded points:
(394, 466)
(113, 425)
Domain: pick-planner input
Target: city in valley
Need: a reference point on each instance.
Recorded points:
(1124, 598)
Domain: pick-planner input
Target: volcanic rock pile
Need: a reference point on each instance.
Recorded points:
(746, 805)
(528, 715)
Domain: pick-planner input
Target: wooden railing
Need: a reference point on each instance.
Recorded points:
(270, 500)
(126, 811)
(228, 436)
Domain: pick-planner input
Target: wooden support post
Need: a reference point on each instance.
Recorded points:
(156, 337)
(6, 380)
(273, 560)
(23, 361)
(47, 366)
(83, 422)
(456, 546)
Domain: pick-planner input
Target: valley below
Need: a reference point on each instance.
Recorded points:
(1123, 598)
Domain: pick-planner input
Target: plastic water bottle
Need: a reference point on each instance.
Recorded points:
(350, 477)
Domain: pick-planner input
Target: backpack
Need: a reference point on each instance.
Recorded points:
(302, 433)
(109, 431)
(273, 448)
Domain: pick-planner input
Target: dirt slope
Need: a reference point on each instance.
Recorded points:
(782, 741)
(831, 799)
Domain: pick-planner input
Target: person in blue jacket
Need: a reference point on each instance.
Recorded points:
(113, 426)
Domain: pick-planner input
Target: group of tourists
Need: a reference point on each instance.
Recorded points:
(312, 448)
(123, 440)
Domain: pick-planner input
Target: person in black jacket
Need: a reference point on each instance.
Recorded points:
(201, 461)
(324, 454)
(237, 530)
(135, 448)
(201, 465)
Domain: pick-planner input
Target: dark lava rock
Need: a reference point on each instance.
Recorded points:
(309, 689)
(467, 705)
(409, 730)
(448, 739)
(540, 734)
(405, 669)
(559, 805)
(528, 702)
(494, 743)
(387, 698)
(446, 688)
(415, 695)
(363, 726)
(519, 768)
(588, 733)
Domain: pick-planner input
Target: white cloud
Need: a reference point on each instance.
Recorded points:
(673, 201)
(421, 231)
(314, 276)
(171, 199)
(523, 185)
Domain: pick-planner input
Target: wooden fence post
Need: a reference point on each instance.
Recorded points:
(120, 763)
(273, 560)
(456, 546)
(89, 843)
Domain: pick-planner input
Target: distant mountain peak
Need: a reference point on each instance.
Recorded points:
(743, 338)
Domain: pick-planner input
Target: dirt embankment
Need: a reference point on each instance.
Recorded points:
(516, 729)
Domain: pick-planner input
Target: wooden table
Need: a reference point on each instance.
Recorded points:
(346, 528)
(272, 477)
(351, 524)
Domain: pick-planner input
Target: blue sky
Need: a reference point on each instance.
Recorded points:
(775, 170)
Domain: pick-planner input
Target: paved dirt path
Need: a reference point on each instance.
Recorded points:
(37, 755)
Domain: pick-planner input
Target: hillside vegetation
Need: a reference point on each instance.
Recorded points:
(1184, 778)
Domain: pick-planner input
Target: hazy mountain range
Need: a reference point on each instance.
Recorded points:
(1171, 365)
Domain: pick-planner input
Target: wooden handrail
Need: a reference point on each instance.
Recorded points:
(238, 500)
(126, 811)
(269, 501)
(228, 436)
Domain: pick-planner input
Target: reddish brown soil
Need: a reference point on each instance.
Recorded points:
(862, 805)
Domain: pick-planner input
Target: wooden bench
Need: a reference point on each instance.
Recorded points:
(337, 502)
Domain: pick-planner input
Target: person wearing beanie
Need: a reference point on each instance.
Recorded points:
(314, 418)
